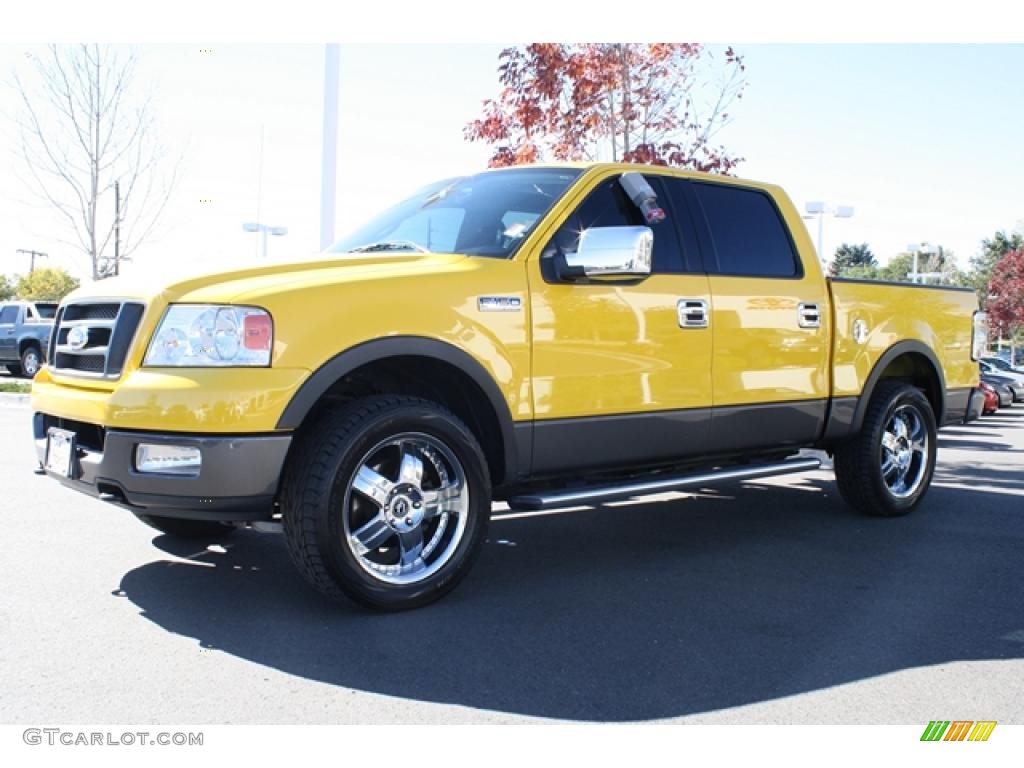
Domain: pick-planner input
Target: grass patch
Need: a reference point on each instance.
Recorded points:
(15, 386)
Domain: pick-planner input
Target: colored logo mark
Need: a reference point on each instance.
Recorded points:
(958, 730)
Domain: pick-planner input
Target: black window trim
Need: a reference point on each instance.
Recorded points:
(707, 241)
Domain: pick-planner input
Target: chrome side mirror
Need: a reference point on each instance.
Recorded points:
(613, 252)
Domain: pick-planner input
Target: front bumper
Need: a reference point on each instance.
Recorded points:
(238, 479)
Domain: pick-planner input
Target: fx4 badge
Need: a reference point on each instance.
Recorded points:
(499, 304)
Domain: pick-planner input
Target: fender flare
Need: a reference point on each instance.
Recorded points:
(896, 350)
(323, 378)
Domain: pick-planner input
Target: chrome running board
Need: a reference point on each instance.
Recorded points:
(590, 495)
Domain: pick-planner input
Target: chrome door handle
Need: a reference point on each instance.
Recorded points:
(808, 315)
(693, 313)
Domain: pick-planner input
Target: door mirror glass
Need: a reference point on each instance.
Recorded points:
(612, 252)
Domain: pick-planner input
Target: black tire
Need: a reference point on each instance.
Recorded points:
(187, 529)
(322, 506)
(860, 464)
(31, 362)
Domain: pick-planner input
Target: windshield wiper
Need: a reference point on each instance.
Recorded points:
(391, 245)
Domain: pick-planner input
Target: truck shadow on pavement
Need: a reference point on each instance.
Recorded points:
(648, 610)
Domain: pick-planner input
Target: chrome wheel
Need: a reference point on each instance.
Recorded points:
(904, 452)
(404, 511)
(30, 363)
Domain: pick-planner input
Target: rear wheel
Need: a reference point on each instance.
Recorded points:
(30, 362)
(886, 470)
(186, 529)
(386, 501)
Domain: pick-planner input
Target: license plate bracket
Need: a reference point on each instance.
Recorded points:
(60, 452)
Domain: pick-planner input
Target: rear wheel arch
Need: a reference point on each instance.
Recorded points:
(912, 362)
(25, 344)
(422, 367)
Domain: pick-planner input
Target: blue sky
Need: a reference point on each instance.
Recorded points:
(923, 140)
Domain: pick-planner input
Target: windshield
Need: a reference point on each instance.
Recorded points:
(488, 214)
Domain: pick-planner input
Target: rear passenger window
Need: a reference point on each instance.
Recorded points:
(748, 233)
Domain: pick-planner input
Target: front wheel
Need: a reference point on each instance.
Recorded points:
(386, 500)
(886, 470)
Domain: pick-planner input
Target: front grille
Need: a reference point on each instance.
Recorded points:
(104, 311)
(91, 338)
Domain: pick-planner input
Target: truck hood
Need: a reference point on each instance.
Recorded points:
(232, 284)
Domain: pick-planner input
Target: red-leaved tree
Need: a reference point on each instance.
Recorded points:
(659, 103)
(1005, 304)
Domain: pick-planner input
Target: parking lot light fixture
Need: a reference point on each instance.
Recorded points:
(819, 209)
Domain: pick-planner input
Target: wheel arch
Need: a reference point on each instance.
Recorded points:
(26, 342)
(912, 361)
(448, 374)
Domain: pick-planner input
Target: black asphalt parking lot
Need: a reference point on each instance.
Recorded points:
(762, 602)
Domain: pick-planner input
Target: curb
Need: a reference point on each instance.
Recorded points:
(14, 399)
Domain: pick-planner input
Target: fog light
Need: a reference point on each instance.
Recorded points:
(168, 459)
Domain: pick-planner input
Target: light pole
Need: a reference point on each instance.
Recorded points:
(818, 209)
(329, 152)
(263, 229)
(917, 249)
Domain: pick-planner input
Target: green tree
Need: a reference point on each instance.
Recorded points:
(46, 284)
(897, 269)
(862, 272)
(984, 262)
(848, 257)
(901, 265)
(6, 288)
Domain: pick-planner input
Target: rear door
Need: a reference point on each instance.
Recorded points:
(769, 319)
(8, 331)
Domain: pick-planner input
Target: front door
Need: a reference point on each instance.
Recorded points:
(619, 368)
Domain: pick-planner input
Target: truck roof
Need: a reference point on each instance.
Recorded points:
(590, 165)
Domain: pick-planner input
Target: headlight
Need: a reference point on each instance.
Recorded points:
(193, 335)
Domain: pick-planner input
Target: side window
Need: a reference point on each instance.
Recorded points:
(608, 205)
(748, 233)
(9, 314)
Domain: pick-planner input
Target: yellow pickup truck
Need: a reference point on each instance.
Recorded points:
(545, 335)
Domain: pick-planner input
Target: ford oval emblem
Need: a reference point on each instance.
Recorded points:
(78, 337)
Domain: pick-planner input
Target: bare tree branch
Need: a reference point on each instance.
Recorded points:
(82, 129)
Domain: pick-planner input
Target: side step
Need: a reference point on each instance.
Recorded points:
(590, 495)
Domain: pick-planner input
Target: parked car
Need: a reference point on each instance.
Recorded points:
(991, 398)
(550, 336)
(1002, 361)
(1002, 388)
(1013, 381)
(25, 328)
(1016, 362)
(1007, 373)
